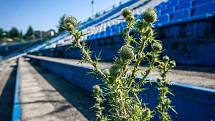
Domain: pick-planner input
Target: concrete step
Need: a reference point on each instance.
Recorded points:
(7, 86)
(191, 102)
(46, 97)
(193, 76)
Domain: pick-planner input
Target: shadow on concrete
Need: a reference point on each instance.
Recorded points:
(77, 97)
(7, 96)
(194, 68)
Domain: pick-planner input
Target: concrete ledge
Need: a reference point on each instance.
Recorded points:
(191, 103)
(16, 105)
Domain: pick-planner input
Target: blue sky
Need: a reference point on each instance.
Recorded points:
(45, 14)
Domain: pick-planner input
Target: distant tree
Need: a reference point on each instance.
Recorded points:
(97, 15)
(61, 26)
(14, 33)
(20, 35)
(1, 34)
(38, 34)
(29, 34)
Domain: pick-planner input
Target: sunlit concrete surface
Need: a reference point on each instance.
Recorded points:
(7, 86)
(45, 97)
(196, 76)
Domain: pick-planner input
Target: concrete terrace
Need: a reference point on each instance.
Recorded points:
(46, 97)
(195, 76)
(7, 85)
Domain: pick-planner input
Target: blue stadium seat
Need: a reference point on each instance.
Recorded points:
(108, 28)
(161, 6)
(88, 37)
(123, 24)
(96, 35)
(93, 36)
(99, 35)
(157, 8)
(200, 29)
(201, 2)
(181, 15)
(168, 10)
(159, 12)
(138, 16)
(207, 9)
(185, 4)
(102, 34)
(118, 29)
(172, 3)
(113, 29)
(108, 31)
(163, 19)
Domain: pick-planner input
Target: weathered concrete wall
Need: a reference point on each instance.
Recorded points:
(191, 103)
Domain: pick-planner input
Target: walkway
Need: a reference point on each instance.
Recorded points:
(197, 76)
(45, 97)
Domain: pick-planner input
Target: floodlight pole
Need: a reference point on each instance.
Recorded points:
(92, 3)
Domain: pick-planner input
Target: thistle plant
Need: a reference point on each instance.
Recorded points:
(119, 99)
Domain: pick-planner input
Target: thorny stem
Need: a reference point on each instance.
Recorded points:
(88, 58)
(121, 93)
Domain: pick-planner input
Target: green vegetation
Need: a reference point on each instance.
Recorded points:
(2, 34)
(15, 35)
(61, 27)
(117, 99)
(29, 34)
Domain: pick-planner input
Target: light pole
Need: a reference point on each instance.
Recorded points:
(92, 3)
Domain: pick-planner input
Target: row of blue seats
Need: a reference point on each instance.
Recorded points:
(175, 5)
(110, 31)
(109, 14)
(204, 10)
(183, 6)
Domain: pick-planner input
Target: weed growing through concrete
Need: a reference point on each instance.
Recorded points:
(118, 100)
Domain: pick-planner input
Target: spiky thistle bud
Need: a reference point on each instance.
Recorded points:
(139, 24)
(147, 114)
(172, 64)
(114, 70)
(126, 52)
(149, 15)
(157, 46)
(126, 12)
(166, 59)
(149, 31)
(106, 72)
(164, 90)
(71, 21)
(97, 90)
(129, 18)
(69, 26)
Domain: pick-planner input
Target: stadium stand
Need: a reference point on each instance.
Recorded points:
(7, 49)
(186, 29)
